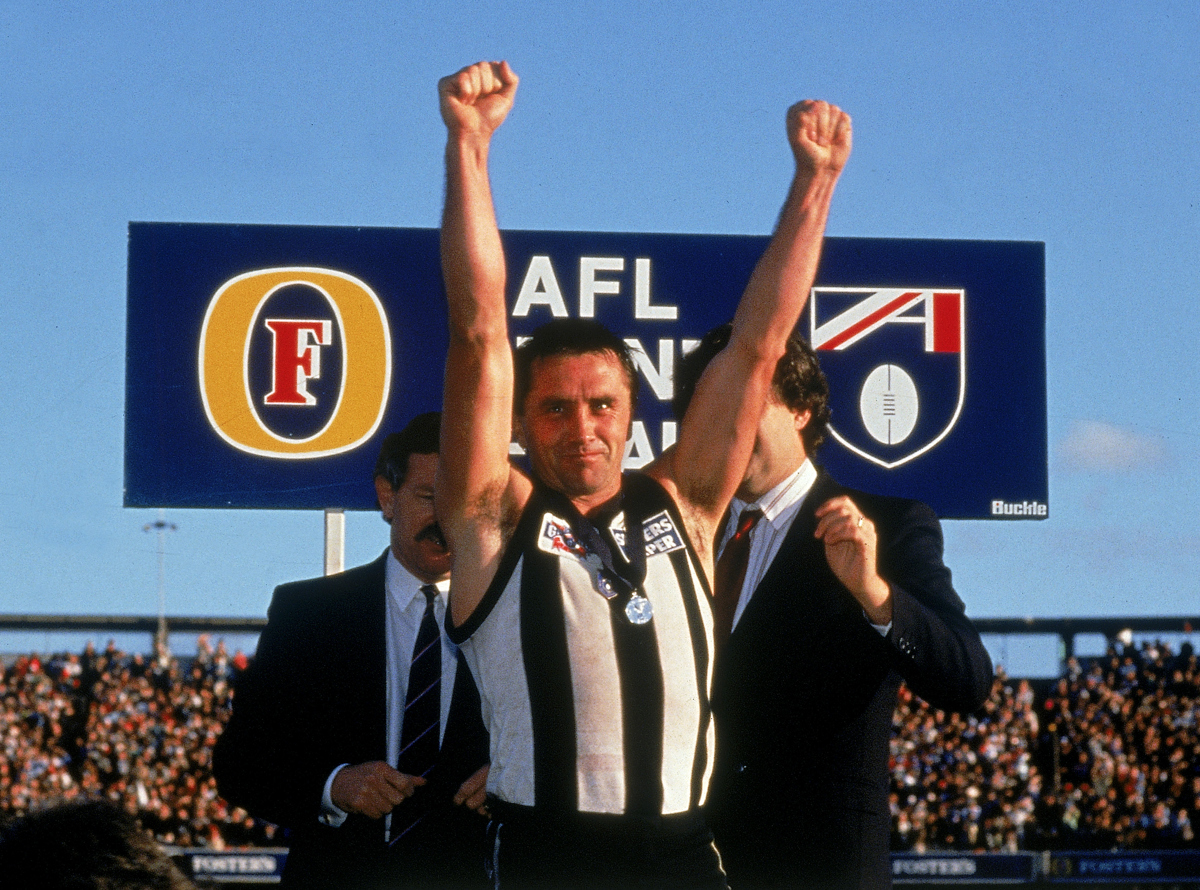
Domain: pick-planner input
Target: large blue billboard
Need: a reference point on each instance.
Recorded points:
(265, 364)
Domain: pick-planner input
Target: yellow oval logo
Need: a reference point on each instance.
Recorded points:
(233, 316)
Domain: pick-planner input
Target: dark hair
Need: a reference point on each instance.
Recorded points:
(421, 436)
(91, 843)
(799, 382)
(569, 336)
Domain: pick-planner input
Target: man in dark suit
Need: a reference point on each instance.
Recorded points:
(842, 596)
(315, 740)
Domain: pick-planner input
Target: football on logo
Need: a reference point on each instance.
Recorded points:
(902, 352)
(295, 362)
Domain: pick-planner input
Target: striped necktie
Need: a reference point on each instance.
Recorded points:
(423, 702)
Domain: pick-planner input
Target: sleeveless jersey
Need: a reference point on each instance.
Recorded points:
(587, 710)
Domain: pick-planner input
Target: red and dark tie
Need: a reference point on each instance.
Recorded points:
(731, 573)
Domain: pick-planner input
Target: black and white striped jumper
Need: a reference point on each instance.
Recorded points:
(588, 711)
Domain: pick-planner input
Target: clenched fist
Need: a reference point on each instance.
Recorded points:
(476, 100)
(819, 134)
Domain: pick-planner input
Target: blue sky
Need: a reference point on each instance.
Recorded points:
(1075, 124)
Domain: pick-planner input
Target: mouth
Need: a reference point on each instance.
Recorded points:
(585, 456)
(433, 532)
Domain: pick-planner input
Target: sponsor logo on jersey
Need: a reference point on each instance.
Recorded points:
(557, 538)
(659, 532)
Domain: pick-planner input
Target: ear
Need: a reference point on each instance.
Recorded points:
(518, 428)
(384, 494)
(802, 418)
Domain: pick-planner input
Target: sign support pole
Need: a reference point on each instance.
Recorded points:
(335, 540)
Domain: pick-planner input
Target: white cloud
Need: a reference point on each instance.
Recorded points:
(1095, 446)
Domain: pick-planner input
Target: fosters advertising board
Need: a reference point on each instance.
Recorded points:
(265, 364)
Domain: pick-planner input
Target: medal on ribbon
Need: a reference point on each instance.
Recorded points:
(638, 610)
(611, 573)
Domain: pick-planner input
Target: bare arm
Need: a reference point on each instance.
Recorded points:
(475, 478)
(717, 434)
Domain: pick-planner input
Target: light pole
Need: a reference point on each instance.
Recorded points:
(162, 527)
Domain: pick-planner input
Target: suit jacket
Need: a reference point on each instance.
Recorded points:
(804, 695)
(313, 698)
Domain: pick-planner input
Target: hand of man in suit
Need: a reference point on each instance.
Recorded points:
(850, 547)
(372, 789)
(472, 794)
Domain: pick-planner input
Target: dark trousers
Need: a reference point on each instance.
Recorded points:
(534, 849)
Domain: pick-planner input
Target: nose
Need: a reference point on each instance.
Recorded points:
(580, 424)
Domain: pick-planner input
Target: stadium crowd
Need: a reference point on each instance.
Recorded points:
(137, 731)
(1107, 756)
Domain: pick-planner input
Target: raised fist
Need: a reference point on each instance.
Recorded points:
(819, 134)
(476, 100)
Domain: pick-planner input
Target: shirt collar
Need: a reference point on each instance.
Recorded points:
(788, 494)
(403, 586)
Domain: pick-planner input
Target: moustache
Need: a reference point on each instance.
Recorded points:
(433, 532)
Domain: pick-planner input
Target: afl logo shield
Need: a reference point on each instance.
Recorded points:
(295, 363)
(900, 357)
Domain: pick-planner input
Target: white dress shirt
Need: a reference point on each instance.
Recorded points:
(405, 608)
(779, 508)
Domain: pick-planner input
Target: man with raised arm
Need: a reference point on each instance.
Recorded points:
(581, 594)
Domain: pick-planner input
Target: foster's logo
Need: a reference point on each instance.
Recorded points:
(295, 362)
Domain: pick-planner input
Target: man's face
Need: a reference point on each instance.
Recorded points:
(576, 419)
(417, 540)
(778, 448)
